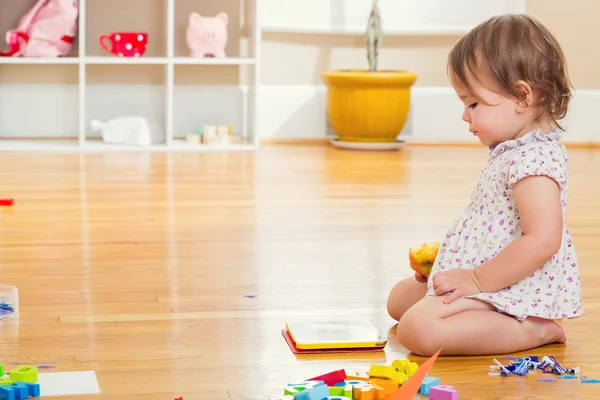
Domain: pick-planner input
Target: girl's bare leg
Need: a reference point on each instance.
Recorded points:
(404, 295)
(471, 327)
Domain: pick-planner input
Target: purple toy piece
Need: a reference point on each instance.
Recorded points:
(443, 392)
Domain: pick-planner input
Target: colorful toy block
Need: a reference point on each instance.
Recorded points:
(336, 391)
(411, 368)
(1, 369)
(368, 392)
(427, 383)
(337, 398)
(389, 386)
(20, 390)
(33, 388)
(359, 376)
(443, 392)
(24, 373)
(5, 380)
(319, 392)
(331, 378)
(400, 364)
(387, 372)
(7, 393)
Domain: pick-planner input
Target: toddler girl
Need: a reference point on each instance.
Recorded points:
(507, 267)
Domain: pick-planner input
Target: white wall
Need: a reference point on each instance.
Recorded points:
(292, 100)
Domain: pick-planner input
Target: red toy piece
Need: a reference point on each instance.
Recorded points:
(6, 202)
(331, 378)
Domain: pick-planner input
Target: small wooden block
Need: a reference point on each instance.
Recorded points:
(24, 373)
(443, 392)
(359, 376)
(368, 392)
(21, 392)
(319, 392)
(7, 393)
(411, 368)
(336, 390)
(389, 386)
(331, 378)
(400, 364)
(381, 371)
(1, 369)
(349, 388)
(427, 383)
(5, 380)
(34, 389)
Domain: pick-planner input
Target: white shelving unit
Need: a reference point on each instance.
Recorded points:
(167, 50)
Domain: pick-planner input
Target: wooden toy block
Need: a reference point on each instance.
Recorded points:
(336, 390)
(295, 388)
(5, 380)
(427, 383)
(389, 386)
(359, 376)
(368, 392)
(33, 388)
(381, 371)
(21, 392)
(24, 373)
(400, 364)
(1, 369)
(349, 388)
(443, 392)
(7, 393)
(331, 378)
(411, 368)
(319, 392)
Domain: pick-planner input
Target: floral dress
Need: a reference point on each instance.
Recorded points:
(491, 221)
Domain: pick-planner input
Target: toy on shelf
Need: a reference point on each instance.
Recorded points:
(133, 130)
(207, 36)
(9, 302)
(46, 30)
(212, 135)
(422, 258)
(125, 44)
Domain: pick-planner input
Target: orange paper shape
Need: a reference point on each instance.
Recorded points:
(410, 388)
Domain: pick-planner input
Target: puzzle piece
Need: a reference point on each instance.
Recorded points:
(33, 389)
(24, 373)
(428, 382)
(7, 393)
(443, 392)
(20, 390)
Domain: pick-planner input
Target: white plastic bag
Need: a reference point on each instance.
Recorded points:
(133, 130)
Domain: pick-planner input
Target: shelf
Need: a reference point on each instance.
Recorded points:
(423, 31)
(32, 60)
(100, 60)
(90, 146)
(214, 61)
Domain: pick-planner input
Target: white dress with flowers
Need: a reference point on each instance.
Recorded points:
(491, 221)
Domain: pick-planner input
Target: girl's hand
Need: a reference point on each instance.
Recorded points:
(461, 282)
(420, 278)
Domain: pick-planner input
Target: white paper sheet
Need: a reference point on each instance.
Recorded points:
(65, 383)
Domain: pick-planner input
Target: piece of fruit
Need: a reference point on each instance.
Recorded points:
(422, 258)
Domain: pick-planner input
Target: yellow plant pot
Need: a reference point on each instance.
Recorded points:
(368, 106)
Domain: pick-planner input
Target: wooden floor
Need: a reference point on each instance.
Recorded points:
(173, 274)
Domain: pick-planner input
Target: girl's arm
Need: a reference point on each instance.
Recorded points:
(538, 201)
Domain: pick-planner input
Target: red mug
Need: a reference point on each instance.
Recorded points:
(125, 44)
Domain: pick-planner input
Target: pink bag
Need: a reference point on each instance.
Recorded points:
(47, 30)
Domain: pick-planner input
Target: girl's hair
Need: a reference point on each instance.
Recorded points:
(508, 48)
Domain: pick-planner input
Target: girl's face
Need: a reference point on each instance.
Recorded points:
(495, 119)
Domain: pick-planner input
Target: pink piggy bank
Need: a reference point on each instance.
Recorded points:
(207, 36)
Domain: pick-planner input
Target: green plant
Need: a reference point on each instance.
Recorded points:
(374, 36)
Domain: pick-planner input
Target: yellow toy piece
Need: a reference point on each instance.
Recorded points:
(410, 369)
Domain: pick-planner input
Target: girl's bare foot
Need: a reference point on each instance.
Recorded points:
(544, 330)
